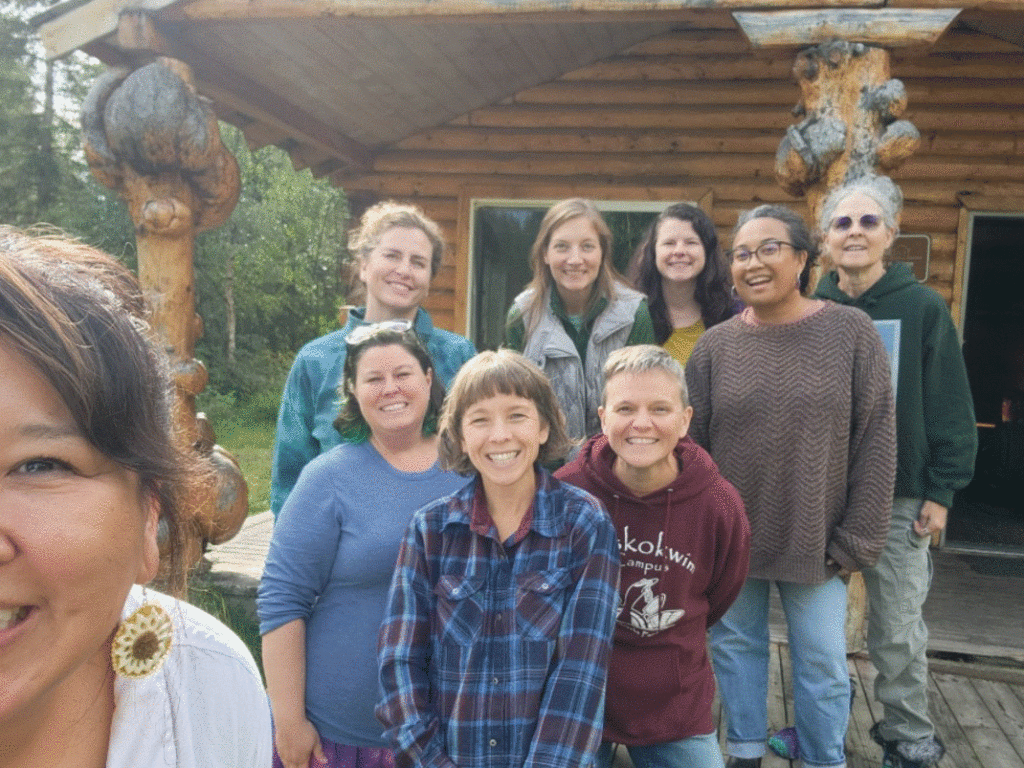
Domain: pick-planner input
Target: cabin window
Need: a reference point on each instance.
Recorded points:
(502, 232)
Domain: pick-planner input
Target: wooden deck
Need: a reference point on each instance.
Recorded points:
(977, 708)
(977, 705)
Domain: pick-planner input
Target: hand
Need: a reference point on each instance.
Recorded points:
(931, 519)
(298, 744)
(842, 573)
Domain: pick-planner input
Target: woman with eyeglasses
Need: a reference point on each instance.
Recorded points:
(793, 401)
(333, 551)
(680, 268)
(398, 251)
(576, 310)
(936, 441)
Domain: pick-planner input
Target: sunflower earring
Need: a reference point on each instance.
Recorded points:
(143, 641)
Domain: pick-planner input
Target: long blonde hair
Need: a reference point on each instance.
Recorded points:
(607, 277)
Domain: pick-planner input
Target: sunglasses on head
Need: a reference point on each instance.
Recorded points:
(365, 332)
(867, 221)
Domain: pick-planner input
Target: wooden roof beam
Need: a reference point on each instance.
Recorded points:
(479, 10)
(884, 27)
(227, 87)
(85, 23)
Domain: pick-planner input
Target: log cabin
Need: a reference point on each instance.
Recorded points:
(485, 111)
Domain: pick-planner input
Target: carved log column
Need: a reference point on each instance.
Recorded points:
(850, 126)
(150, 136)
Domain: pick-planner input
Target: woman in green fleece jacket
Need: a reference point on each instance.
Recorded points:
(936, 441)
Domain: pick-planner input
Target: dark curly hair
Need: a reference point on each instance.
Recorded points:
(713, 286)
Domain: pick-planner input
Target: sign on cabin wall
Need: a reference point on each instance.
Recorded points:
(914, 251)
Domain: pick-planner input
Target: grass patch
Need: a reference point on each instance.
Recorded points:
(236, 611)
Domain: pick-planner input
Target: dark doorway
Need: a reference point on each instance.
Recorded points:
(990, 512)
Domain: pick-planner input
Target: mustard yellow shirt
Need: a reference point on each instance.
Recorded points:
(680, 344)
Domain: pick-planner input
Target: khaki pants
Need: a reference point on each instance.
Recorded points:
(897, 637)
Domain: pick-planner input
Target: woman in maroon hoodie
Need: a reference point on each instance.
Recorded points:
(684, 544)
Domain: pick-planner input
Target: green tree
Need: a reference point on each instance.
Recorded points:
(269, 280)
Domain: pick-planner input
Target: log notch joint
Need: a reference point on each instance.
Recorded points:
(148, 135)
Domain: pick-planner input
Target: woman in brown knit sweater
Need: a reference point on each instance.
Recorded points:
(811, 449)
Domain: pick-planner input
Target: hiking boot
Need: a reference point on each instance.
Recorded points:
(908, 754)
(743, 762)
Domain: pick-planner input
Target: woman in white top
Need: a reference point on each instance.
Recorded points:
(94, 670)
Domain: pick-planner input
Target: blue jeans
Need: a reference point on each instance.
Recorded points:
(816, 617)
(692, 752)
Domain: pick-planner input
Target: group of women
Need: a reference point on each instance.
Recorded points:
(503, 569)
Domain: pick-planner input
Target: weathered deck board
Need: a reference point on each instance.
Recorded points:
(959, 751)
(980, 728)
(1006, 710)
(865, 710)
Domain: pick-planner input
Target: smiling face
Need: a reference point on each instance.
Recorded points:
(678, 251)
(643, 417)
(574, 257)
(768, 285)
(397, 274)
(858, 249)
(75, 534)
(502, 436)
(392, 389)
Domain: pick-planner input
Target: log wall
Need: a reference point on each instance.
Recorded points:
(698, 110)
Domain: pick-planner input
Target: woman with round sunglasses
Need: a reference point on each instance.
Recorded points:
(333, 551)
(936, 441)
(680, 268)
(576, 310)
(398, 251)
(811, 450)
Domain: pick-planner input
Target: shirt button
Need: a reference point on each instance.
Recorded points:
(544, 585)
(494, 742)
(494, 681)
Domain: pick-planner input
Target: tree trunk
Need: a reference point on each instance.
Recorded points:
(229, 308)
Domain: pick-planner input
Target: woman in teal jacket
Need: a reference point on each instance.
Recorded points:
(398, 251)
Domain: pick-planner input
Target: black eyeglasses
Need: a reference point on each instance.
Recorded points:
(365, 332)
(765, 252)
(868, 222)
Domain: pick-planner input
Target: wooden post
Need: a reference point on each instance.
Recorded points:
(849, 129)
(149, 136)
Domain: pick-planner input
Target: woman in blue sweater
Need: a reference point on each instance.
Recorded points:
(322, 596)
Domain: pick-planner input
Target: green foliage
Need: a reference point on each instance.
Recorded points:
(266, 282)
(278, 259)
(43, 174)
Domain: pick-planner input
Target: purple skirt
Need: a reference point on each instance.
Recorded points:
(345, 756)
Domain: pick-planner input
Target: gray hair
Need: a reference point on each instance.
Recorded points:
(881, 189)
(640, 359)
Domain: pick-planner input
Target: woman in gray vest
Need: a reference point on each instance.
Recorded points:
(576, 310)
